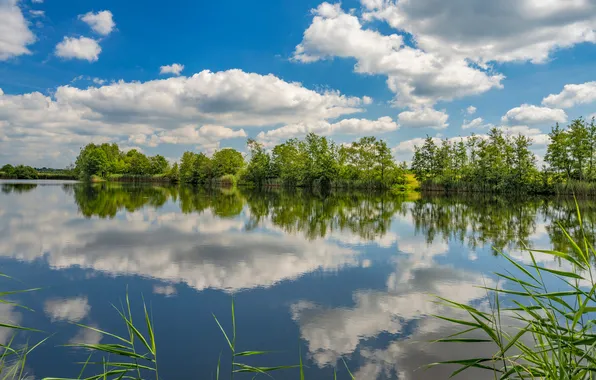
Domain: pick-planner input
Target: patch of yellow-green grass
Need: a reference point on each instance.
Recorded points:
(412, 183)
(96, 178)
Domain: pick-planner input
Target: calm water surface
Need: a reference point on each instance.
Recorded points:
(337, 276)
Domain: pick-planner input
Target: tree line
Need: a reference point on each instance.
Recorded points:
(312, 162)
(27, 172)
(500, 162)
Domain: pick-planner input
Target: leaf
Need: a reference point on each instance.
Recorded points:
(224, 333)
(251, 353)
(559, 272)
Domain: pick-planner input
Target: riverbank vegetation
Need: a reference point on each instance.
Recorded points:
(27, 172)
(504, 163)
(542, 325)
(312, 162)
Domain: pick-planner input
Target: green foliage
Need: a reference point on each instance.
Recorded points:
(18, 172)
(227, 162)
(504, 163)
(318, 163)
(498, 163)
(542, 334)
(259, 166)
(107, 160)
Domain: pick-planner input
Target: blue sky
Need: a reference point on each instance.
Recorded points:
(195, 75)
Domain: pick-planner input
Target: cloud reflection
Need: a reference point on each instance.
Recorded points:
(402, 310)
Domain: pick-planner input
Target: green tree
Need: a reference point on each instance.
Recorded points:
(158, 164)
(202, 169)
(137, 163)
(187, 163)
(557, 155)
(174, 173)
(7, 170)
(258, 168)
(92, 160)
(227, 161)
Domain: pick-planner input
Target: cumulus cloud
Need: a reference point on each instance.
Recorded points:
(423, 118)
(572, 95)
(538, 137)
(345, 126)
(87, 336)
(69, 309)
(530, 114)
(37, 13)
(477, 123)
(471, 110)
(72, 117)
(100, 22)
(78, 48)
(15, 34)
(417, 77)
(333, 332)
(206, 137)
(174, 68)
(503, 31)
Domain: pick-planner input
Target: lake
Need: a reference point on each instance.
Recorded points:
(337, 277)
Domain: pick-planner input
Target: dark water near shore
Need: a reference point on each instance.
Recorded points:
(341, 275)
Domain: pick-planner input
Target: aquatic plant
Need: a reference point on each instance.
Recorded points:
(538, 332)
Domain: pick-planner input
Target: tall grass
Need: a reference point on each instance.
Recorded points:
(12, 356)
(539, 333)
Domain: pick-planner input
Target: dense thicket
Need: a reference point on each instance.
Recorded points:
(107, 159)
(18, 172)
(314, 161)
(505, 163)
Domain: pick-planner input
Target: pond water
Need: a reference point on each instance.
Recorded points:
(338, 277)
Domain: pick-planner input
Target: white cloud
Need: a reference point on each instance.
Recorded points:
(174, 68)
(101, 22)
(477, 123)
(530, 114)
(78, 48)
(408, 146)
(167, 290)
(200, 250)
(502, 31)
(72, 117)
(417, 77)
(99, 81)
(69, 309)
(37, 1)
(538, 137)
(37, 13)
(335, 332)
(423, 118)
(572, 95)
(15, 34)
(471, 110)
(87, 336)
(206, 137)
(345, 126)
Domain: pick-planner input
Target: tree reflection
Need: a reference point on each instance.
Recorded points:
(477, 220)
(367, 215)
(474, 220)
(106, 199)
(8, 188)
(562, 212)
